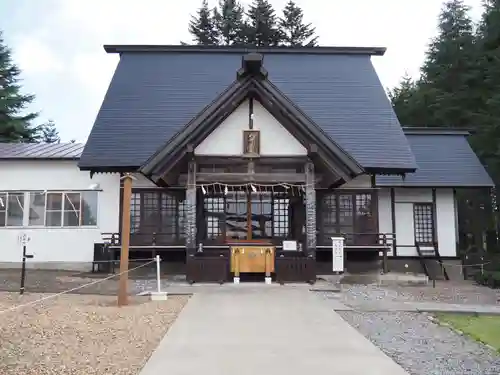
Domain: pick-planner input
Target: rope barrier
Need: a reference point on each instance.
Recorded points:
(461, 265)
(71, 290)
(97, 261)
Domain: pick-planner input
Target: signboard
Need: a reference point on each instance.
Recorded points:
(289, 245)
(23, 239)
(338, 254)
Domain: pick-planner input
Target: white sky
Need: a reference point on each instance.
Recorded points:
(58, 43)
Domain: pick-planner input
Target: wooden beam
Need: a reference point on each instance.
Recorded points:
(293, 178)
(125, 240)
(310, 203)
(262, 160)
(191, 208)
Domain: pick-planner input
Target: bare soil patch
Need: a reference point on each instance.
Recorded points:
(81, 334)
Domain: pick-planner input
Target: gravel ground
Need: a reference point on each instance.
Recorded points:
(81, 335)
(447, 292)
(51, 281)
(423, 347)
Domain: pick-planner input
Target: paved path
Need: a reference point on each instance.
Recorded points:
(266, 329)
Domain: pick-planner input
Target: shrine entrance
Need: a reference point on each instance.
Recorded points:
(253, 224)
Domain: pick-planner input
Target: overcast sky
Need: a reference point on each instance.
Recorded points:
(58, 43)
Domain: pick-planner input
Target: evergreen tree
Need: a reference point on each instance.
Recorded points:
(50, 133)
(203, 26)
(294, 32)
(407, 103)
(15, 125)
(487, 89)
(230, 23)
(449, 69)
(262, 25)
(442, 96)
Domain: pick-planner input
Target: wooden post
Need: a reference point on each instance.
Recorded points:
(310, 205)
(125, 240)
(191, 209)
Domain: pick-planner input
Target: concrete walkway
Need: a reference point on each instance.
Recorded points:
(280, 330)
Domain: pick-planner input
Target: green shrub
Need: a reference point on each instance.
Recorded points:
(488, 278)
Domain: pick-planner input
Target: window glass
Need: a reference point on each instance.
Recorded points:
(15, 209)
(89, 207)
(53, 213)
(71, 217)
(36, 208)
(3, 209)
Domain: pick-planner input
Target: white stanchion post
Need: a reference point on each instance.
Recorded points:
(158, 295)
(158, 272)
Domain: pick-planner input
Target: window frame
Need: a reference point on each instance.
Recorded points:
(425, 207)
(5, 209)
(63, 209)
(26, 201)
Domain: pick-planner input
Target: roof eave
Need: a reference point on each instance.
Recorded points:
(436, 131)
(327, 50)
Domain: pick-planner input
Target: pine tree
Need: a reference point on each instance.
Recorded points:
(449, 68)
(294, 32)
(407, 103)
(487, 89)
(230, 23)
(15, 125)
(262, 25)
(50, 133)
(203, 26)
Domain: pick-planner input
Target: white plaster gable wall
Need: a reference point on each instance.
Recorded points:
(405, 231)
(227, 138)
(69, 248)
(359, 182)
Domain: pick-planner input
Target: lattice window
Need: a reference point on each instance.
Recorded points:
(281, 223)
(345, 211)
(349, 213)
(159, 212)
(214, 216)
(329, 216)
(423, 217)
(135, 213)
(168, 215)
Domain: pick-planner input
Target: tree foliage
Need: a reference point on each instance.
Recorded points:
(203, 26)
(294, 32)
(230, 24)
(15, 123)
(50, 133)
(459, 84)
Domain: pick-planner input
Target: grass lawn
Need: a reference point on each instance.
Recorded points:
(483, 328)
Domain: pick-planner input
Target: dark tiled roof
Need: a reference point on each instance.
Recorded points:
(9, 151)
(153, 95)
(444, 158)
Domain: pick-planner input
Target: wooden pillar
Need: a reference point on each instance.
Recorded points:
(125, 240)
(310, 205)
(191, 209)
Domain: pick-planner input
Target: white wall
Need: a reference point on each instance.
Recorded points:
(358, 182)
(405, 235)
(227, 138)
(69, 246)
